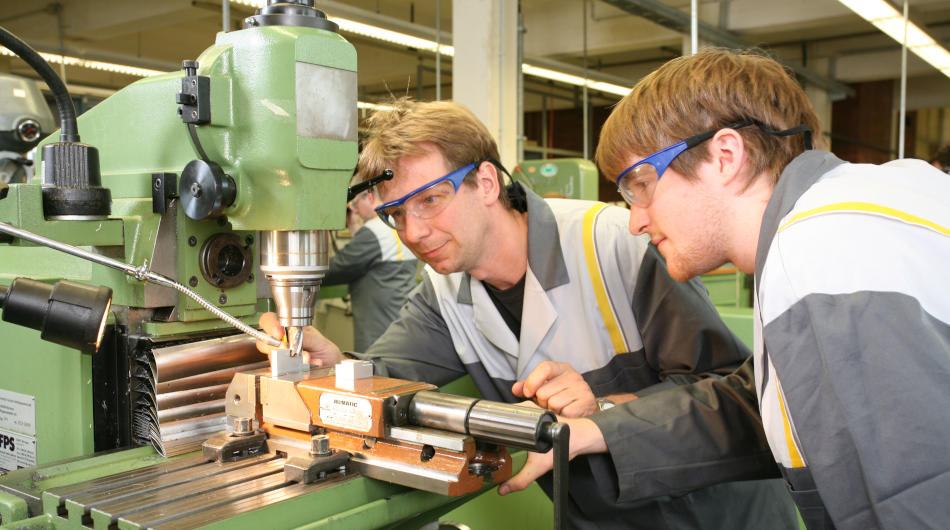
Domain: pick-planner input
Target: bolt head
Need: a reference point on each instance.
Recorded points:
(320, 445)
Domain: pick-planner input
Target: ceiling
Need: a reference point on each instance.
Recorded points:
(820, 37)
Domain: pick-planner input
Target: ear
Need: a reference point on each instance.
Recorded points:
(487, 180)
(727, 154)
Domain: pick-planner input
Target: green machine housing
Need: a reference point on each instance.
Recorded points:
(281, 123)
(571, 178)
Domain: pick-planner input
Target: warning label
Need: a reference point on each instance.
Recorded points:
(346, 411)
(17, 412)
(16, 450)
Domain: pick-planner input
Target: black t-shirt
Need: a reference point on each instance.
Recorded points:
(509, 303)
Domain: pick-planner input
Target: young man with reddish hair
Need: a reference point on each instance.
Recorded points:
(851, 370)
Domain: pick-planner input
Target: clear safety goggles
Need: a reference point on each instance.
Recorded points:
(638, 182)
(426, 201)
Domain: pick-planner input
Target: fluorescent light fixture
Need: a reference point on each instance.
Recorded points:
(95, 65)
(571, 79)
(410, 41)
(394, 37)
(372, 106)
(890, 21)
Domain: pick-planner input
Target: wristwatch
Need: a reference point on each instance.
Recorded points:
(604, 404)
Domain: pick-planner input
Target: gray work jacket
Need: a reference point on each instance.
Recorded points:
(671, 334)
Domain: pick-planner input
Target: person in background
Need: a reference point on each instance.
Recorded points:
(379, 269)
(941, 159)
(554, 292)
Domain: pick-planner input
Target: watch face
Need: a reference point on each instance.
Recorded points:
(604, 403)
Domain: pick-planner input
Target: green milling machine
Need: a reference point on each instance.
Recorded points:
(208, 201)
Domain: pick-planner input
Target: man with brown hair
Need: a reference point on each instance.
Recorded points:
(851, 371)
(554, 293)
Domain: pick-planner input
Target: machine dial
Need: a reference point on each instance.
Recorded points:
(225, 261)
(28, 130)
(205, 190)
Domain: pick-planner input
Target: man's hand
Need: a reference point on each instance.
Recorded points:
(586, 438)
(317, 349)
(558, 387)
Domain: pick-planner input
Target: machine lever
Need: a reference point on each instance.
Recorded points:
(559, 434)
(356, 189)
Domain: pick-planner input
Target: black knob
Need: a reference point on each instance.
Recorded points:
(190, 67)
(205, 190)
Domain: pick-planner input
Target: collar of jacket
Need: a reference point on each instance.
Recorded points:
(544, 249)
(799, 175)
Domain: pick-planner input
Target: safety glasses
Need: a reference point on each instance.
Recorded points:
(426, 201)
(638, 182)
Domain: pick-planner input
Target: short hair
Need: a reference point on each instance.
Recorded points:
(693, 94)
(942, 157)
(397, 132)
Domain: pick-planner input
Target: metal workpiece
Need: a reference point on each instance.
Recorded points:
(295, 262)
(512, 425)
(285, 361)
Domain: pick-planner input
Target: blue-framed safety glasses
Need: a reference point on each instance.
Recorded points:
(637, 182)
(426, 201)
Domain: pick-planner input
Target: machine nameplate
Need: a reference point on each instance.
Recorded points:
(17, 412)
(16, 450)
(344, 411)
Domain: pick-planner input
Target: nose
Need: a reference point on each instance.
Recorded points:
(415, 229)
(639, 220)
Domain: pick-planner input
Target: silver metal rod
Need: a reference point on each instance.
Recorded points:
(902, 123)
(438, 51)
(694, 28)
(501, 423)
(139, 273)
(586, 128)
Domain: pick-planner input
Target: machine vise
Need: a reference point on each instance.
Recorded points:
(399, 431)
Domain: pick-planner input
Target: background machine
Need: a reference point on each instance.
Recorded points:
(199, 196)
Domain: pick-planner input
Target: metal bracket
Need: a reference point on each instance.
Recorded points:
(195, 96)
(309, 470)
(225, 447)
(164, 189)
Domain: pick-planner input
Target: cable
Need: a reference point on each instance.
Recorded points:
(69, 130)
(139, 273)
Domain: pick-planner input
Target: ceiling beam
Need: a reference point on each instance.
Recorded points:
(672, 18)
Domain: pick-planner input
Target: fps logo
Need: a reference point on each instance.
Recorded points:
(7, 443)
